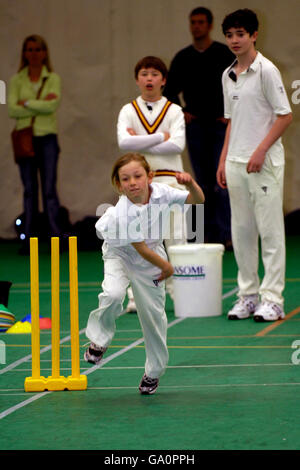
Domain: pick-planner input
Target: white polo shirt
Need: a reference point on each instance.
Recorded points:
(126, 223)
(252, 102)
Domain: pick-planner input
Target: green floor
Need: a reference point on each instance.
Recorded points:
(229, 385)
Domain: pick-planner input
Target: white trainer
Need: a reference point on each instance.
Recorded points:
(268, 311)
(244, 307)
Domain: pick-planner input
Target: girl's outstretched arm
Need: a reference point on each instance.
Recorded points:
(166, 268)
(196, 195)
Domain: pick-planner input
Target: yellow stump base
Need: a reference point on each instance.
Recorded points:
(53, 384)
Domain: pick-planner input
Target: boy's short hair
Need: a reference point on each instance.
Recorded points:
(243, 18)
(202, 11)
(151, 62)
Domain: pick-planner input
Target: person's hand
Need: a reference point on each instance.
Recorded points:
(256, 161)
(166, 136)
(166, 271)
(221, 178)
(188, 117)
(50, 96)
(131, 131)
(184, 178)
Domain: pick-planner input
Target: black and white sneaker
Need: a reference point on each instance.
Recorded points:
(94, 354)
(148, 385)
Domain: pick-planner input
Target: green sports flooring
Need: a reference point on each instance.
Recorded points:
(230, 385)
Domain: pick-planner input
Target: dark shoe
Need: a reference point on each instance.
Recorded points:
(148, 386)
(94, 354)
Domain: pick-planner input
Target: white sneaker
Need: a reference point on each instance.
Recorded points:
(243, 307)
(268, 311)
(131, 307)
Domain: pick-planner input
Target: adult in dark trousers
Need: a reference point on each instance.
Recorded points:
(196, 72)
(35, 71)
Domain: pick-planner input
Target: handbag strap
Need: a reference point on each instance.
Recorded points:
(38, 96)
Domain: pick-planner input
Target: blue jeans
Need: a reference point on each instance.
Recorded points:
(205, 141)
(45, 162)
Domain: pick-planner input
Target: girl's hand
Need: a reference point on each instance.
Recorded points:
(195, 195)
(184, 178)
(166, 272)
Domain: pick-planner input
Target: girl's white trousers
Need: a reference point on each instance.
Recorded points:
(150, 301)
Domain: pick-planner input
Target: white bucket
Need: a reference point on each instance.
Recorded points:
(197, 279)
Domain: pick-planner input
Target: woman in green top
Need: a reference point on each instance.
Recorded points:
(35, 70)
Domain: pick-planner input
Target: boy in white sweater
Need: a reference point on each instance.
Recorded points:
(155, 127)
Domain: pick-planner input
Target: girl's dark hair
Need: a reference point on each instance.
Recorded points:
(244, 18)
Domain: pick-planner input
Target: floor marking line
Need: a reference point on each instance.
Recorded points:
(202, 366)
(28, 357)
(207, 366)
(278, 323)
(168, 387)
(19, 285)
(170, 338)
(23, 403)
(86, 372)
(127, 348)
(63, 290)
(205, 386)
(92, 369)
(230, 293)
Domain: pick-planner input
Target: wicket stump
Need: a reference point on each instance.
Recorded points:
(37, 383)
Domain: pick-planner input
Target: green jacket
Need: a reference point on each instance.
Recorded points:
(21, 88)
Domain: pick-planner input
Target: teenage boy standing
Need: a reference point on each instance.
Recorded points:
(252, 167)
(155, 127)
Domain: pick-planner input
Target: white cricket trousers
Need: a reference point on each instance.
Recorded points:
(150, 303)
(178, 226)
(256, 211)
